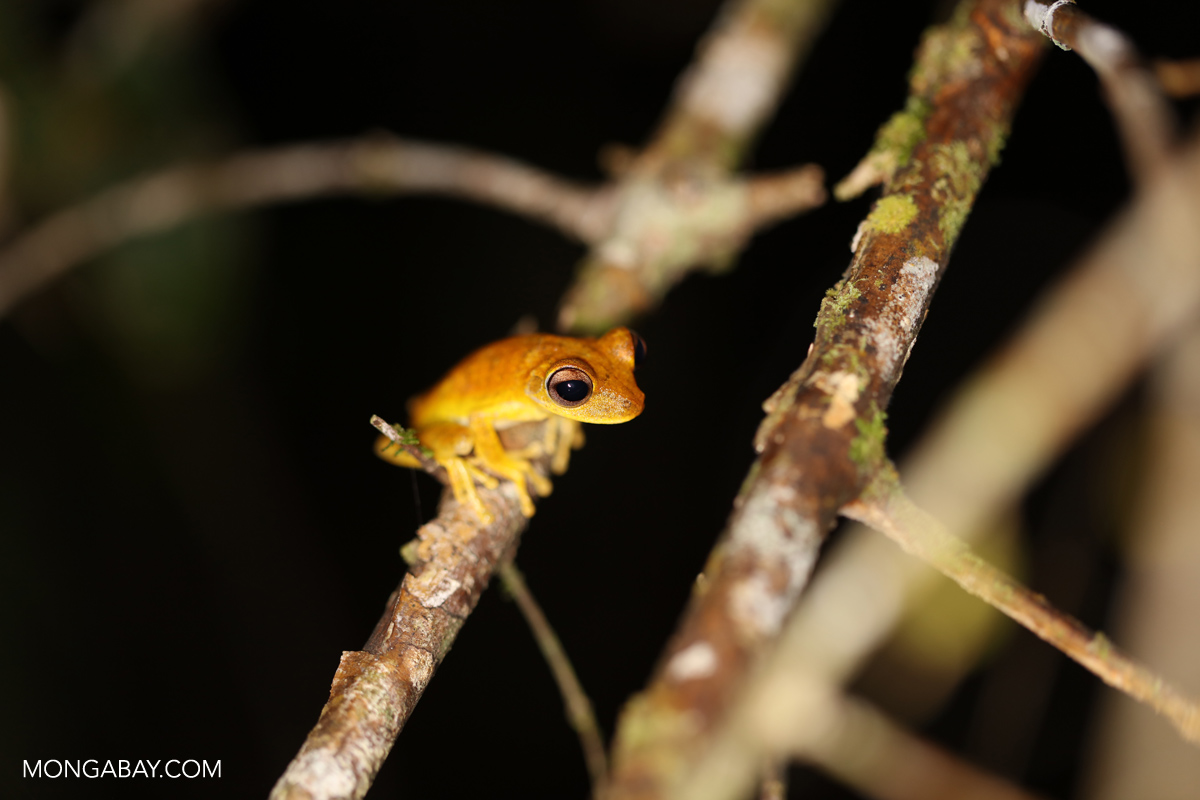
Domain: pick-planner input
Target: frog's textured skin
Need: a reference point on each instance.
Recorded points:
(539, 376)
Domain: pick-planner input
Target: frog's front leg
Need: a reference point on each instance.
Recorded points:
(491, 455)
(568, 436)
(560, 436)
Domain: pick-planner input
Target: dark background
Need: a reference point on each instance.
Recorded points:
(192, 524)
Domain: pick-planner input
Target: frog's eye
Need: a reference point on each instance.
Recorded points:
(639, 349)
(569, 387)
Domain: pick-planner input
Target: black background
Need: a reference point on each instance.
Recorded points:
(185, 558)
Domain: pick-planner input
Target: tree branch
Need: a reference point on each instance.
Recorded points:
(376, 689)
(824, 428)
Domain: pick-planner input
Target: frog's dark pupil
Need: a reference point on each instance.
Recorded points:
(572, 391)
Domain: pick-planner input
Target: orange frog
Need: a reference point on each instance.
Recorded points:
(539, 376)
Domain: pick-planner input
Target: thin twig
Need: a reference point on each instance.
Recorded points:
(575, 700)
(407, 440)
(886, 508)
(825, 425)
(377, 164)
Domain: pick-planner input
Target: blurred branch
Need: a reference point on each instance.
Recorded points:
(575, 699)
(1159, 590)
(678, 207)
(886, 508)
(376, 164)
(824, 433)
(855, 743)
(732, 87)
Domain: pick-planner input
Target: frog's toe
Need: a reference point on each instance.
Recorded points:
(485, 479)
(525, 500)
(540, 483)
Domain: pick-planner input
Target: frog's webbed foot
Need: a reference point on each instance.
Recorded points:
(490, 455)
(517, 471)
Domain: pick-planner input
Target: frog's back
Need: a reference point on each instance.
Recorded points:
(489, 379)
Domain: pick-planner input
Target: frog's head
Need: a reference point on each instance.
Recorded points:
(591, 380)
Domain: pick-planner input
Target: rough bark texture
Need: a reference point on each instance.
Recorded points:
(824, 432)
(376, 688)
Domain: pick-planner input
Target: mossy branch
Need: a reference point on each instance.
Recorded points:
(823, 436)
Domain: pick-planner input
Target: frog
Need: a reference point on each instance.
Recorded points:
(562, 380)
